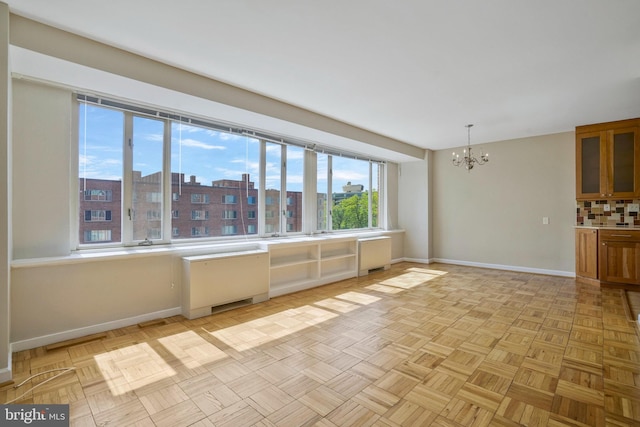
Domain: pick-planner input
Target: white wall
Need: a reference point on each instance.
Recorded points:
(492, 215)
(41, 170)
(414, 208)
(59, 298)
(5, 194)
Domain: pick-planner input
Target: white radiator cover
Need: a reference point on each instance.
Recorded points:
(210, 281)
(373, 253)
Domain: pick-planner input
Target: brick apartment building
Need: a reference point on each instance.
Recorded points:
(225, 208)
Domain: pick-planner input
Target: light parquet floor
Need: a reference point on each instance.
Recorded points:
(437, 345)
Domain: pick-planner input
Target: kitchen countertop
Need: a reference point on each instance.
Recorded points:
(609, 227)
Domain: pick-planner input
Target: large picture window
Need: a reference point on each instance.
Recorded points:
(138, 170)
(355, 193)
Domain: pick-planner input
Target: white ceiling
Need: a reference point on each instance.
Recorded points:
(414, 70)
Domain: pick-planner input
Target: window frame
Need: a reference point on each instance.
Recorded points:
(309, 191)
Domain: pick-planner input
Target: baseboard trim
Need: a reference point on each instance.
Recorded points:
(6, 376)
(89, 330)
(518, 269)
(418, 260)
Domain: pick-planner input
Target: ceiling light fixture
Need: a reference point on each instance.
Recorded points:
(467, 158)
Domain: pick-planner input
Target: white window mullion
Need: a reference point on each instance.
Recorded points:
(283, 189)
(127, 181)
(310, 193)
(370, 197)
(329, 193)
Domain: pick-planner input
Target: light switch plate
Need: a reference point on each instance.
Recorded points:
(545, 220)
(634, 207)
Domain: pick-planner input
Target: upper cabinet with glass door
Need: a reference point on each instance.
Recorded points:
(608, 160)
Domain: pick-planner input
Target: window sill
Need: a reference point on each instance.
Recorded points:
(189, 249)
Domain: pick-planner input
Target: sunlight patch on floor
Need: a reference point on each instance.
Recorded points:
(129, 368)
(358, 298)
(260, 331)
(191, 349)
(337, 305)
(384, 289)
(415, 277)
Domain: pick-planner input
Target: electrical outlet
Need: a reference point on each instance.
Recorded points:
(607, 207)
(634, 207)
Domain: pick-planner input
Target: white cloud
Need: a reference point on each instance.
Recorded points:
(199, 144)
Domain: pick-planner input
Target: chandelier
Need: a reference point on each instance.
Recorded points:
(467, 158)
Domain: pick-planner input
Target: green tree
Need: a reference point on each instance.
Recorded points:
(352, 212)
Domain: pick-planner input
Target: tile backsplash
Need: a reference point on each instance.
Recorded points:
(594, 213)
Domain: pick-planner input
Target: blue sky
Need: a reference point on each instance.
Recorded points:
(208, 154)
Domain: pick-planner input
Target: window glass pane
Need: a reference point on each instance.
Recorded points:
(148, 137)
(273, 184)
(623, 167)
(375, 204)
(101, 132)
(214, 174)
(322, 191)
(295, 174)
(350, 180)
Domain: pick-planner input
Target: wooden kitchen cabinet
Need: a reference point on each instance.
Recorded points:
(587, 253)
(619, 256)
(608, 160)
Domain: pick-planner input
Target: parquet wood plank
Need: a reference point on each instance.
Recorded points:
(440, 345)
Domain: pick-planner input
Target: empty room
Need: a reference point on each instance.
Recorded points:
(285, 213)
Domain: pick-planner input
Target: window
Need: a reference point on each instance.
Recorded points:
(322, 192)
(354, 205)
(100, 167)
(229, 229)
(273, 182)
(129, 186)
(97, 236)
(94, 216)
(154, 215)
(199, 231)
(199, 215)
(230, 214)
(211, 166)
(97, 195)
(294, 172)
(154, 197)
(228, 198)
(147, 142)
(199, 198)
